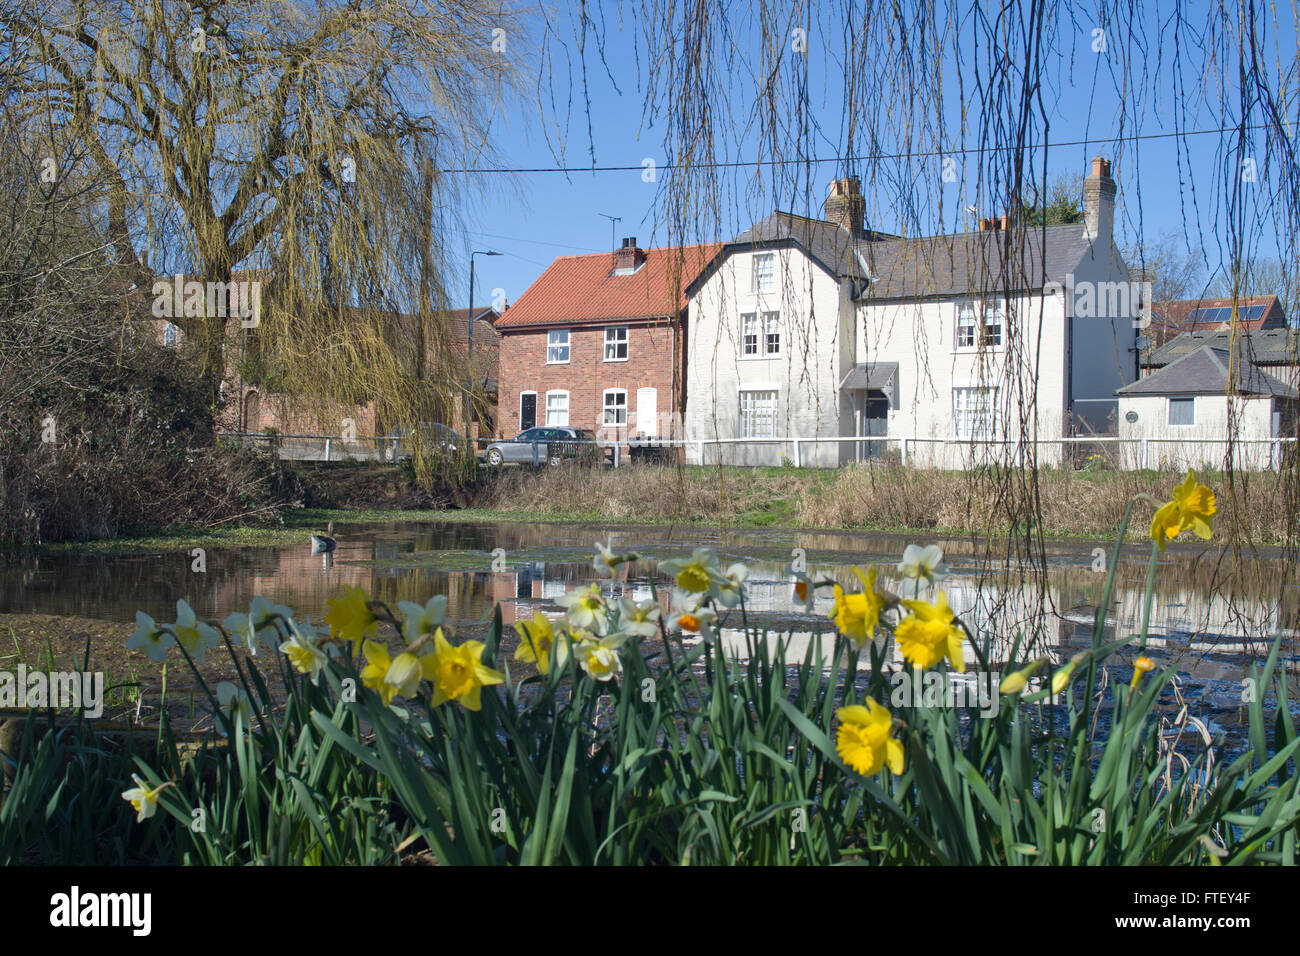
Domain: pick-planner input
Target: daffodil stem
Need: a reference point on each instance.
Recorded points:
(1147, 596)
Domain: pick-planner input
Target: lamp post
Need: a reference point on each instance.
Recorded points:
(469, 349)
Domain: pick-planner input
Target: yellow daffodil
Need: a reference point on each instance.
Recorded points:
(1061, 679)
(1193, 507)
(388, 676)
(143, 800)
(600, 658)
(1015, 682)
(864, 741)
(930, 633)
(1141, 667)
(536, 638)
(585, 608)
(350, 617)
(458, 673)
(856, 615)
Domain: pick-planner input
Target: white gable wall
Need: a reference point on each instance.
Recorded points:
(1202, 444)
(805, 374)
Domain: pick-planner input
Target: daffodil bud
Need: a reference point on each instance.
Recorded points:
(1061, 679)
(1016, 682)
(1140, 667)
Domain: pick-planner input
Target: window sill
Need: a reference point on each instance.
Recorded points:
(615, 360)
(549, 362)
(759, 358)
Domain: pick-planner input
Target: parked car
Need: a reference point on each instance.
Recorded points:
(554, 446)
(438, 439)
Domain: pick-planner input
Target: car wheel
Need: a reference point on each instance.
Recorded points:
(494, 457)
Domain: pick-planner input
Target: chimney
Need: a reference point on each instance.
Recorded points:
(846, 207)
(627, 258)
(1099, 200)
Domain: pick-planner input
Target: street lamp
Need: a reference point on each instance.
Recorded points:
(469, 349)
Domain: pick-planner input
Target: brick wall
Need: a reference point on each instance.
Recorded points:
(587, 375)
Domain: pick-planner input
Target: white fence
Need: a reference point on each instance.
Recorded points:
(831, 451)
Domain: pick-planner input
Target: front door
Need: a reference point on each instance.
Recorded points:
(647, 412)
(875, 422)
(527, 411)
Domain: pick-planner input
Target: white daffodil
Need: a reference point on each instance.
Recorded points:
(638, 619)
(920, 568)
(586, 609)
(259, 622)
(730, 589)
(422, 619)
(150, 636)
(233, 697)
(606, 560)
(144, 800)
(599, 659)
(690, 615)
(194, 635)
(696, 574)
(304, 654)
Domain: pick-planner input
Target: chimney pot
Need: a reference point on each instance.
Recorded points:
(628, 257)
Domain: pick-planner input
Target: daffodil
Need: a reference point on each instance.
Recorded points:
(458, 673)
(1014, 683)
(1141, 667)
(1193, 507)
(150, 636)
(233, 697)
(585, 609)
(696, 574)
(1061, 679)
(856, 615)
(606, 560)
(192, 634)
(388, 676)
(599, 659)
(422, 619)
(730, 587)
(304, 654)
(259, 622)
(921, 568)
(144, 800)
(930, 633)
(638, 619)
(864, 741)
(536, 638)
(350, 617)
(691, 615)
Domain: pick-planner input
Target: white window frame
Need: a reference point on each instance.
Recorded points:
(986, 315)
(547, 423)
(763, 277)
(965, 412)
(553, 345)
(750, 320)
(770, 326)
(750, 421)
(605, 408)
(1169, 411)
(616, 341)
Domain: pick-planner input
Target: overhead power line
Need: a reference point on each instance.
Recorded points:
(925, 154)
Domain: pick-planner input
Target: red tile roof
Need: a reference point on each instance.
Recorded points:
(1214, 314)
(576, 289)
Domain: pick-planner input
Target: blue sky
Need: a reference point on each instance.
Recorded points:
(1168, 185)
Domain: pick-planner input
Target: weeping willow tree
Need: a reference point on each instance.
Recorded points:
(289, 144)
(942, 107)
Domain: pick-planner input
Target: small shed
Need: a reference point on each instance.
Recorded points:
(1182, 415)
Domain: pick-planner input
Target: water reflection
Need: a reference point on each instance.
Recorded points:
(1200, 612)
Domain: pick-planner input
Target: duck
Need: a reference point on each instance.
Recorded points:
(323, 543)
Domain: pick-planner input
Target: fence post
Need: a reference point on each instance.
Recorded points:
(798, 461)
(1144, 454)
(327, 449)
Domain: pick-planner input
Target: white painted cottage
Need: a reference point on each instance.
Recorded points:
(947, 349)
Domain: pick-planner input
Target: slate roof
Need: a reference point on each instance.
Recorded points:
(931, 266)
(1205, 372)
(1262, 347)
(577, 289)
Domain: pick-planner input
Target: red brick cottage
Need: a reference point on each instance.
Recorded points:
(598, 342)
